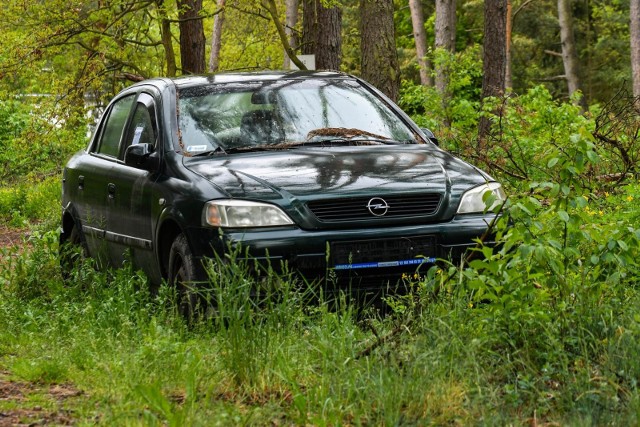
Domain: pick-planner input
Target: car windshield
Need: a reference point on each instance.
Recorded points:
(284, 113)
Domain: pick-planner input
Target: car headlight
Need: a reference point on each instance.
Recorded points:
(243, 213)
(482, 198)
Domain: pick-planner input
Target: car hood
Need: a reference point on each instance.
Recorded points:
(311, 173)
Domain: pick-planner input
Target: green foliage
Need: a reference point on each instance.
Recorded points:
(37, 140)
(427, 107)
(23, 204)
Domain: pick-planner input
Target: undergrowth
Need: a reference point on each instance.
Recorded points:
(542, 328)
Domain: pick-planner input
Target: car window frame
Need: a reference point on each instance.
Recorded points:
(149, 102)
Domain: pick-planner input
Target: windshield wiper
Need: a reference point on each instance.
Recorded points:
(230, 150)
(217, 150)
(319, 142)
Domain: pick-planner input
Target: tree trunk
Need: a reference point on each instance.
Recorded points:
(322, 34)
(272, 8)
(417, 20)
(379, 58)
(508, 82)
(309, 27)
(329, 40)
(192, 42)
(166, 38)
(494, 58)
(216, 37)
(445, 31)
(635, 45)
(291, 19)
(569, 53)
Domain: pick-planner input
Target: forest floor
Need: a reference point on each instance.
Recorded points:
(11, 236)
(27, 404)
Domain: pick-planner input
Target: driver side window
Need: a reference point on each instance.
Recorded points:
(142, 129)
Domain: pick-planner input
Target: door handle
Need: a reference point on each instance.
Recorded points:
(81, 182)
(111, 188)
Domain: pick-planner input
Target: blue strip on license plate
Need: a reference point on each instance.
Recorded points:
(401, 263)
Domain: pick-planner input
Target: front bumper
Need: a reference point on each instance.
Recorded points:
(384, 253)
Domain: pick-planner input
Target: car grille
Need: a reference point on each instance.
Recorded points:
(350, 209)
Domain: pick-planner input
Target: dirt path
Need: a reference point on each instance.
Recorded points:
(11, 236)
(20, 403)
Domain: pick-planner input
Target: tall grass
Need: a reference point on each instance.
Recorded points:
(456, 356)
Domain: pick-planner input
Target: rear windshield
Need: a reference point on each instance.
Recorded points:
(236, 115)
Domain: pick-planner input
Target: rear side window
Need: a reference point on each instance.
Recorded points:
(114, 126)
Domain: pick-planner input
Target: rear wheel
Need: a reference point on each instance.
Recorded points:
(72, 251)
(187, 276)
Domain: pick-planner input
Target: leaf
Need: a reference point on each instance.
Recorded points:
(554, 161)
(564, 216)
(592, 156)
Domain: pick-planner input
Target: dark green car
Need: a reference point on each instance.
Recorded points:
(317, 170)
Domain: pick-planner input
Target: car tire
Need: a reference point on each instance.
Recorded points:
(186, 276)
(72, 251)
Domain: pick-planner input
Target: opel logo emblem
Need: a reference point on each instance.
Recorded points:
(377, 206)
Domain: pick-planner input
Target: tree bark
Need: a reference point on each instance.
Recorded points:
(309, 27)
(494, 58)
(379, 58)
(417, 20)
(291, 19)
(329, 40)
(634, 13)
(192, 42)
(216, 37)
(569, 53)
(445, 31)
(508, 82)
(322, 34)
(167, 43)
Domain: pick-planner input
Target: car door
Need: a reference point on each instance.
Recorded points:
(93, 176)
(130, 189)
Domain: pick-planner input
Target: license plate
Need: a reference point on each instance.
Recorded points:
(383, 252)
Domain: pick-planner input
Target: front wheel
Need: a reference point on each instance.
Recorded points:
(186, 276)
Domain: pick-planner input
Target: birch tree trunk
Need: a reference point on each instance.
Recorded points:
(569, 53)
(291, 20)
(417, 20)
(216, 37)
(635, 45)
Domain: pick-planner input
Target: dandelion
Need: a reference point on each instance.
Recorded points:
(629, 198)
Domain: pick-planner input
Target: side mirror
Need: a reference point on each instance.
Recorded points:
(430, 135)
(140, 156)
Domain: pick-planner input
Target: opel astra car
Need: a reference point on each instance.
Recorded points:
(318, 171)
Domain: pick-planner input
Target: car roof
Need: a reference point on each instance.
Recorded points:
(200, 80)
